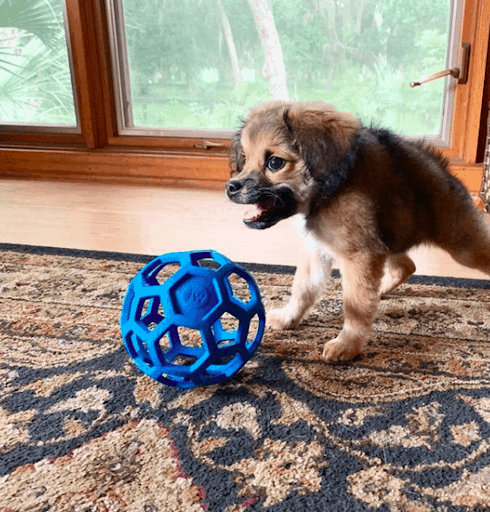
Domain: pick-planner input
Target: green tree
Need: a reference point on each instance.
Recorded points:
(357, 54)
(35, 83)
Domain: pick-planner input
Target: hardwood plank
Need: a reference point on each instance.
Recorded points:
(156, 220)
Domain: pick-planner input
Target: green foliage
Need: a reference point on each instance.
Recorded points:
(35, 83)
(359, 55)
(36, 17)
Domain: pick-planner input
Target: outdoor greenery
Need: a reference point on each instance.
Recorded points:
(358, 55)
(35, 84)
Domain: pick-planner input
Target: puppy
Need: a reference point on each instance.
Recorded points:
(362, 196)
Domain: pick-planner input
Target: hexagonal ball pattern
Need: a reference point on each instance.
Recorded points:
(190, 327)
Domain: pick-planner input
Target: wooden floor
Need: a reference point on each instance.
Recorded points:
(152, 220)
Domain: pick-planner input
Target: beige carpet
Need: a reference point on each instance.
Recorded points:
(406, 427)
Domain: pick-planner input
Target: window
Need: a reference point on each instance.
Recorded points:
(147, 91)
(186, 64)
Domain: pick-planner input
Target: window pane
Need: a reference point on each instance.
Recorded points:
(35, 82)
(202, 63)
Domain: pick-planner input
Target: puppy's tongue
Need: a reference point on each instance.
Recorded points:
(258, 211)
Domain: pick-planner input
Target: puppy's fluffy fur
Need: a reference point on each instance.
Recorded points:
(363, 196)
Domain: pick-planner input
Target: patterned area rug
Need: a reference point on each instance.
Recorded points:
(406, 427)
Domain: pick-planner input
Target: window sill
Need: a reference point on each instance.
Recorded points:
(202, 169)
(199, 169)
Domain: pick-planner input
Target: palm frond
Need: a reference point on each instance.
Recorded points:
(39, 92)
(37, 17)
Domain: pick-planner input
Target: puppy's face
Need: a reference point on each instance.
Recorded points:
(277, 154)
(266, 170)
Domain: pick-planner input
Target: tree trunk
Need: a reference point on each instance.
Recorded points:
(274, 69)
(237, 75)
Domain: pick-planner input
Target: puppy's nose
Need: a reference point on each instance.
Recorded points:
(233, 187)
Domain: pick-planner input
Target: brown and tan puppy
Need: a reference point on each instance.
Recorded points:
(362, 195)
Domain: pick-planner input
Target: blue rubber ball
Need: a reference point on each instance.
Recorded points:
(192, 318)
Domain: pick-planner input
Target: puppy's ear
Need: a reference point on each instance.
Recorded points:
(236, 157)
(321, 134)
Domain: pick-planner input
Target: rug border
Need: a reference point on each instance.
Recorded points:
(252, 267)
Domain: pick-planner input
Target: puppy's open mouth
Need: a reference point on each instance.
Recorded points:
(260, 212)
(269, 211)
(266, 207)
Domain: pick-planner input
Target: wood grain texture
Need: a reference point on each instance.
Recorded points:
(156, 220)
(138, 167)
(469, 106)
(126, 167)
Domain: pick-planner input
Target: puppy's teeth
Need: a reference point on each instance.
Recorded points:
(253, 214)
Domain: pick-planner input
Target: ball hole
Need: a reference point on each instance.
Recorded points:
(184, 360)
(146, 307)
(162, 273)
(226, 343)
(239, 288)
(225, 330)
(189, 337)
(229, 322)
(224, 360)
(165, 343)
(160, 310)
(253, 329)
(150, 312)
(208, 263)
(222, 336)
(143, 352)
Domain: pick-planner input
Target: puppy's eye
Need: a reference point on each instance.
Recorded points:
(275, 163)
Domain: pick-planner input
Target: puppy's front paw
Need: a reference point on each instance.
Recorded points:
(341, 349)
(280, 319)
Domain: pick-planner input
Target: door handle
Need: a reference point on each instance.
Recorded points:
(460, 72)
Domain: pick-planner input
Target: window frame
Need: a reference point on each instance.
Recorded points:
(101, 153)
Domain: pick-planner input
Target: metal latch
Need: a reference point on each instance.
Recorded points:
(460, 72)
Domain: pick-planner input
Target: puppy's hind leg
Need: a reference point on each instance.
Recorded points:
(469, 242)
(312, 274)
(399, 267)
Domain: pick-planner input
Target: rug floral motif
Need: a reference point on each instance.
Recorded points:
(405, 427)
